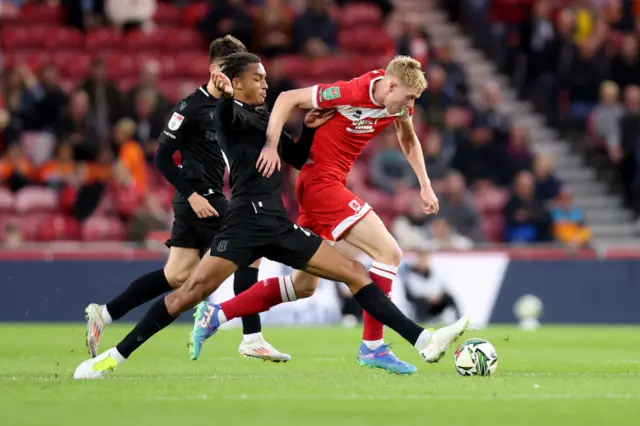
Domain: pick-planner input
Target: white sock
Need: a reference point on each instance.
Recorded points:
(373, 344)
(104, 313)
(423, 340)
(253, 337)
(222, 318)
(113, 352)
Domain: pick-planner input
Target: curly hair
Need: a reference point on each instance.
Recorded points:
(234, 65)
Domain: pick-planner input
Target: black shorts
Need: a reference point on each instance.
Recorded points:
(190, 231)
(247, 237)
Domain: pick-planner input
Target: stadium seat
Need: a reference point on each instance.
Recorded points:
(37, 14)
(192, 65)
(7, 200)
(360, 15)
(15, 38)
(166, 15)
(194, 13)
(295, 66)
(141, 41)
(35, 199)
(72, 63)
(103, 39)
(60, 38)
(333, 68)
(181, 39)
(58, 227)
(121, 64)
(359, 41)
(103, 228)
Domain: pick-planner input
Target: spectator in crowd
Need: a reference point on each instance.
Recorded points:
(569, 226)
(227, 17)
(84, 15)
(131, 14)
(625, 157)
(149, 121)
(13, 238)
(585, 20)
(278, 82)
(435, 159)
(587, 70)
(607, 115)
(79, 128)
(457, 207)
(16, 171)
(272, 29)
(389, 168)
(61, 172)
(149, 74)
(456, 76)
(53, 101)
(538, 42)
(437, 98)
(21, 93)
(444, 237)
(413, 40)
(426, 290)
(411, 228)
(527, 220)
(487, 113)
(489, 201)
(315, 33)
(105, 99)
(548, 186)
(453, 134)
(625, 65)
(130, 155)
(519, 155)
(481, 157)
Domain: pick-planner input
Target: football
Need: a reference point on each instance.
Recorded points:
(476, 357)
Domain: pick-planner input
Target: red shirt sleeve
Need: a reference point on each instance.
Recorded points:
(337, 94)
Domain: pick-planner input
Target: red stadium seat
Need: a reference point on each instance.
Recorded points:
(72, 64)
(332, 68)
(6, 200)
(61, 38)
(34, 199)
(58, 228)
(103, 39)
(181, 39)
(34, 59)
(295, 66)
(359, 15)
(194, 13)
(36, 14)
(121, 64)
(192, 65)
(141, 41)
(365, 41)
(15, 38)
(103, 228)
(167, 15)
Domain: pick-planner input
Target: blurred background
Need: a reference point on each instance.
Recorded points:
(530, 128)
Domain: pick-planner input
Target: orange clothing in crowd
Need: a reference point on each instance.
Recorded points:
(55, 170)
(7, 169)
(132, 157)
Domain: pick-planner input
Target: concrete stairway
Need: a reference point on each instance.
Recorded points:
(610, 222)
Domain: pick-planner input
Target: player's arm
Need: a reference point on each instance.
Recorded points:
(226, 113)
(172, 138)
(412, 149)
(285, 103)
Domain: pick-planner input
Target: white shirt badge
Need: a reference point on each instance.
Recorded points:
(176, 121)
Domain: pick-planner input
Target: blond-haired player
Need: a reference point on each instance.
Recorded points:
(364, 107)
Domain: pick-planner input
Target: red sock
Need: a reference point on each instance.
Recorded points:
(383, 276)
(262, 296)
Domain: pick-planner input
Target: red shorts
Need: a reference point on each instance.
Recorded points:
(327, 207)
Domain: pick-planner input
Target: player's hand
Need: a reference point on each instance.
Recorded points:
(430, 204)
(317, 117)
(268, 161)
(222, 83)
(201, 206)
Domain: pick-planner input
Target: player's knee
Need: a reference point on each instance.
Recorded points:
(306, 289)
(390, 255)
(177, 277)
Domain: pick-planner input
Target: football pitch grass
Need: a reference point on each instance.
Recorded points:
(553, 376)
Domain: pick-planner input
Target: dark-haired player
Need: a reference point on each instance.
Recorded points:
(257, 225)
(198, 206)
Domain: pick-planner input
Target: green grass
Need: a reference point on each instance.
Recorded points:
(554, 376)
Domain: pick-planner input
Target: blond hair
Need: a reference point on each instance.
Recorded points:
(409, 71)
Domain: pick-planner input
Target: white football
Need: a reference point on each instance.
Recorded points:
(476, 357)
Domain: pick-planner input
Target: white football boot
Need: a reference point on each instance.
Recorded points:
(260, 348)
(100, 366)
(442, 338)
(95, 327)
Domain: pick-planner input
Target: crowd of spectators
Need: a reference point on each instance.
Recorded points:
(91, 140)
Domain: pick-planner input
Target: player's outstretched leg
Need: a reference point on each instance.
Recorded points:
(253, 344)
(371, 236)
(208, 276)
(179, 265)
(331, 264)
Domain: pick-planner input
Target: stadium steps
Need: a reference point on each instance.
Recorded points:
(610, 222)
